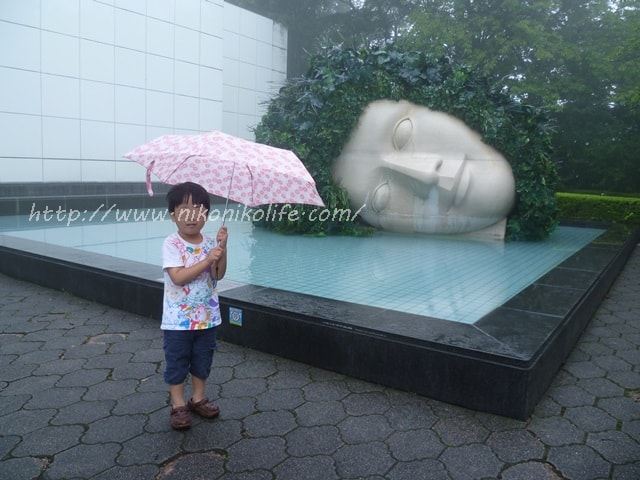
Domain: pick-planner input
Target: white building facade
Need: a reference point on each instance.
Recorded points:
(83, 82)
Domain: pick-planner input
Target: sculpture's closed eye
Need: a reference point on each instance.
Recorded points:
(381, 197)
(402, 134)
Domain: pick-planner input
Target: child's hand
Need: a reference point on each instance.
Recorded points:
(215, 254)
(221, 238)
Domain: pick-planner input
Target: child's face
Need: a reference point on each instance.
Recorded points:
(190, 219)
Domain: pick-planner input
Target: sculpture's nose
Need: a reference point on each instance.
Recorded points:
(421, 169)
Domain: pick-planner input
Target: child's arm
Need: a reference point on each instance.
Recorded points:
(184, 275)
(215, 262)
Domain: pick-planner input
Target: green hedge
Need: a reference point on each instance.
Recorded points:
(601, 208)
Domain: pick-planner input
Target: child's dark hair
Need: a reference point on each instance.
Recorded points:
(181, 192)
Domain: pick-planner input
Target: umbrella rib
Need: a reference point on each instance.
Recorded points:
(179, 164)
(253, 194)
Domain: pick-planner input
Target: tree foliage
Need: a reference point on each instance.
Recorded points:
(314, 115)
(575, 58)
(579, 60)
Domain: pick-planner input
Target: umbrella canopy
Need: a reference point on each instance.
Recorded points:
(229, 167)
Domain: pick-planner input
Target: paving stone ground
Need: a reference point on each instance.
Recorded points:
(82, 397)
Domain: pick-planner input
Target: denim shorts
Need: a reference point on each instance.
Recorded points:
(188, 351)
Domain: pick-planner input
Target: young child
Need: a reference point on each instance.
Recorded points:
(192, 262)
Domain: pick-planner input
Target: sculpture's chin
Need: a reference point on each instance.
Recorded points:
(432, 224)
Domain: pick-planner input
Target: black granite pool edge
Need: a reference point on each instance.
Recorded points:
(502, 364)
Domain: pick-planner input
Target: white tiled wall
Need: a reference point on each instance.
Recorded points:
(84, 81)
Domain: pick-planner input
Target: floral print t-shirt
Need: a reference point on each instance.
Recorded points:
(195, 305)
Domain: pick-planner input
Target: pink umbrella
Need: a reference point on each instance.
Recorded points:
(229, 167)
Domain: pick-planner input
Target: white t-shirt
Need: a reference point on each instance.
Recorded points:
(193, 306)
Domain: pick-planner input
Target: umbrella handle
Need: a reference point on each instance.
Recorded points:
(149, 189)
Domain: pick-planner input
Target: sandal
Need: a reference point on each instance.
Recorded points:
(204, 408)
(180, 419)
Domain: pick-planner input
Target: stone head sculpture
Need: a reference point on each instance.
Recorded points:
(418, 170)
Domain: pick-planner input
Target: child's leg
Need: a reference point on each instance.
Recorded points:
(203, 349)
(198, 385)
(177, 348)
(177, 395)
(204, 346)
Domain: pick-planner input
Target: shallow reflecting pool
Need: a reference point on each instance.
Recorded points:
(441, 277)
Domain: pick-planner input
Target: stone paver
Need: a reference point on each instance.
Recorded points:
(82, 397)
